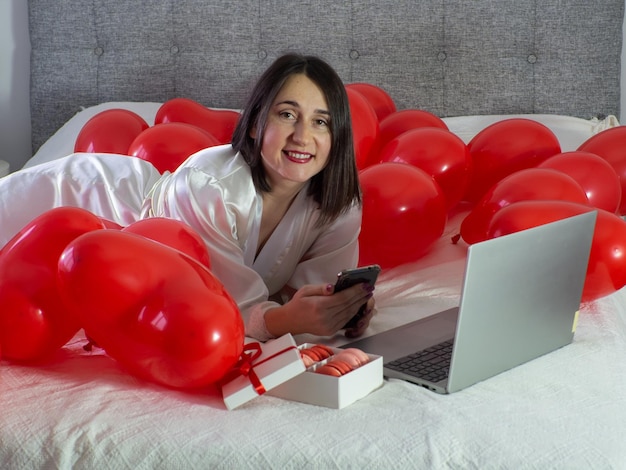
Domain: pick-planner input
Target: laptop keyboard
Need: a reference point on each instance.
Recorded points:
(431, 364)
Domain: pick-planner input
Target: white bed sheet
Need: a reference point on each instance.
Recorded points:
(564, 410)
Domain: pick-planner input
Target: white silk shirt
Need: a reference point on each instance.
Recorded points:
(213, 193)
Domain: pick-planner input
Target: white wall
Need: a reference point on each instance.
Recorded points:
(15, 144)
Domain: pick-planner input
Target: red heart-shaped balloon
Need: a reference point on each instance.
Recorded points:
(110, 131)
(376, 96)
(505, 147)
(438, 152)
(157, 311)
(220, 123)
(168, 145)
(33, 320)
(609, 145)
(404, 213)
(606, 272)
(541, 184)
(173, 233)
(364, 126)
(399, 122)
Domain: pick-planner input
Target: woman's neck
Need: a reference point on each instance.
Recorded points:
(275, 205)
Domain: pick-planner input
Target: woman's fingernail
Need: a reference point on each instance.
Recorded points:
(368, 287)
(329, 287)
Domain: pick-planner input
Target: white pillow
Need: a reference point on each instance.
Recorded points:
(62, 141)
(570, 131)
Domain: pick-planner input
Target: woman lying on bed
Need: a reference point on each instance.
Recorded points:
(279, 209)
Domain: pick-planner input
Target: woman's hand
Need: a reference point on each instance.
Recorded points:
(317, 310)
(364, 321)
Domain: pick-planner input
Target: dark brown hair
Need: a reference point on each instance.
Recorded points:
(336, 187)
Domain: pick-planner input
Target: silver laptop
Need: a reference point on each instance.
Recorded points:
(520, 299)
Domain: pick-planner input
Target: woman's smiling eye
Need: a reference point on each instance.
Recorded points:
(287, 114)
(318, 120)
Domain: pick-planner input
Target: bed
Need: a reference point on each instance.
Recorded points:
(471, 63)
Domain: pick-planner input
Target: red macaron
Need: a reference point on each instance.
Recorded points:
(334, 367)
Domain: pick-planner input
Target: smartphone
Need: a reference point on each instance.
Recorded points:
(349, 277)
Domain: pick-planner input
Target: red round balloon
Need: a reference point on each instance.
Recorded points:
(376, 96)
(505, 147)
(110, 131)
(173, 233)
(159, 313)
(404, 213)
(364, 126)
(220, 123)
(610, 144)
(399, 122)
(606, 272)
(594, 174)
(523, 185)
(166, 146)
(438, 152)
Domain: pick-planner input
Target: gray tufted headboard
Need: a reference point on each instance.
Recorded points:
(450, 57)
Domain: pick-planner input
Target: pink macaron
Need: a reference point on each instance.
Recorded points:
(353, 356)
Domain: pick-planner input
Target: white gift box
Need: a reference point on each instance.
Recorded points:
(276, 368)
(332, 392)
(263, 367)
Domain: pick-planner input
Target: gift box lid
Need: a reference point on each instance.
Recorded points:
(262, 366)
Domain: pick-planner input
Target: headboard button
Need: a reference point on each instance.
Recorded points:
(354, 54)
(442, 56)
(532, 58)
(262, 54)
(174, 50)
(98, 51)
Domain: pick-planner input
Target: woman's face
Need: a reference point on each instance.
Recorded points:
(297, 137)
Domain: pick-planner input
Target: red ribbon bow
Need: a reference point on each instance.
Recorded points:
(245, 365)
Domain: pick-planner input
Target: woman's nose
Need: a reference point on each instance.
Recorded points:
(301, 133)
